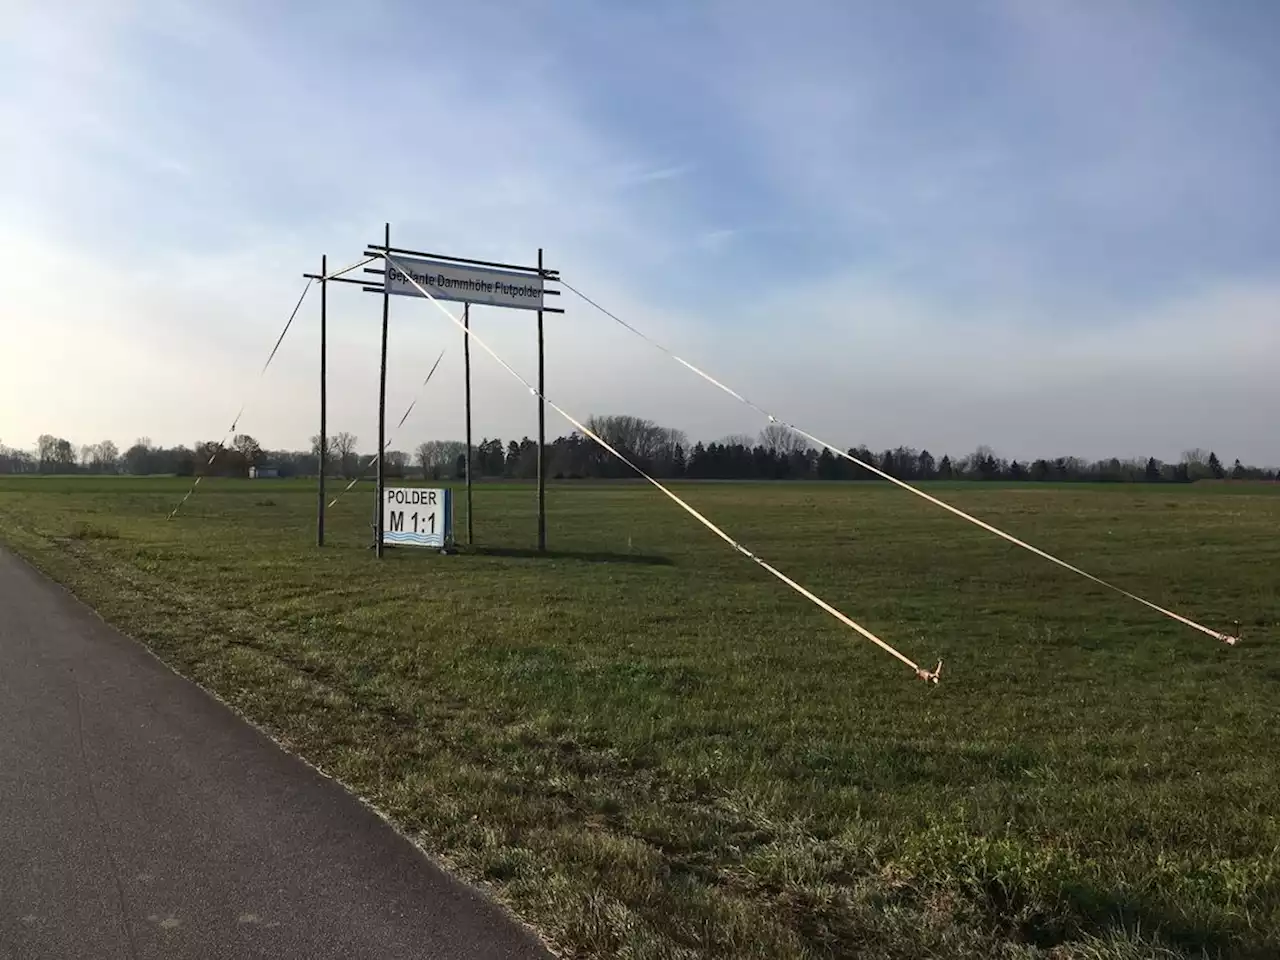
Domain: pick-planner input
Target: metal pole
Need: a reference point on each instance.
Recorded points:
(323, 448)
(382, 405)
(542, 431)
(466, 363)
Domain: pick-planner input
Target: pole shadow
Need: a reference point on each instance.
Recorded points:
(582, 556)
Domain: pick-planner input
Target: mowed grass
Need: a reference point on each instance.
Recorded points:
(650, 748)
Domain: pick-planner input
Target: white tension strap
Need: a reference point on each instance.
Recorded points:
(345, 270)
(1223, 637)
(261, 373)
(239, 413)
(360, 475)
(930, 676)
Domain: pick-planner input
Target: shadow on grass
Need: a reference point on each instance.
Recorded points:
(584, 556)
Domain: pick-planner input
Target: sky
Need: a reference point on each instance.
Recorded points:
(1048, 227)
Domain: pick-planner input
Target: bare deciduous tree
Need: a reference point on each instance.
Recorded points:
(635, 436)
(438, 458)
(249, 449)
(343, 446)
(397, 461)
(138, 458)
(44, 448)
(781, 441)
(1197, 463)
(106, 456)
(55, 454)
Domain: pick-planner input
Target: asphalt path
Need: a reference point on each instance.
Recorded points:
(140, 818)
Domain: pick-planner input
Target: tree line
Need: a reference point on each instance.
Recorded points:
(662, 452)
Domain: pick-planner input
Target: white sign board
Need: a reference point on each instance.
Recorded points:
(465, 283)
(417, 517)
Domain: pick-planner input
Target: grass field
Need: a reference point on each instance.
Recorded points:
(649, 748)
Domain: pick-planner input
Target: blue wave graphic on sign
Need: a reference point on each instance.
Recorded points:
(416, 539)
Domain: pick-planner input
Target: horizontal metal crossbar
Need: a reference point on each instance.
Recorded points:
(379, 250)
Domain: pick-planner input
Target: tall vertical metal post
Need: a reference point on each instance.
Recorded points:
(382, 396)
(542, 430)
(323, 446)
(466, 365)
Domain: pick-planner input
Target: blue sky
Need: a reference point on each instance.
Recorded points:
(1048, 227)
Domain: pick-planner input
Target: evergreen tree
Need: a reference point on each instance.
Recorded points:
(906, 461)
(887, 465)
(697, 466)
(1215, 466)
(1152, 474)
(866, 456)
(927, 468)
(827, 466)
(490, 461)
(804, 464)
(715, 461)
(527, 459)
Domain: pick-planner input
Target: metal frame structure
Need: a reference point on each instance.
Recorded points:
(383, 252)
(324, 279)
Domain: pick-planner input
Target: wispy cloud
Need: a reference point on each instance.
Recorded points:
(714, 240)
(640, 175)
(901, 224)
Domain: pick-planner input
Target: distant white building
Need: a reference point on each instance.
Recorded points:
(264, 473)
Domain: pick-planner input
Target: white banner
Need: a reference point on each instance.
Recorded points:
(465, 283)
